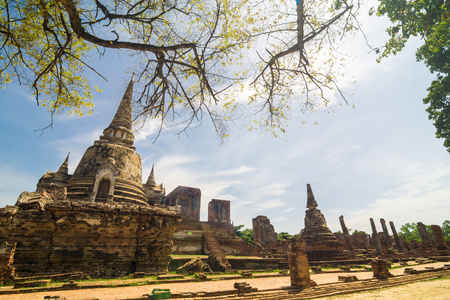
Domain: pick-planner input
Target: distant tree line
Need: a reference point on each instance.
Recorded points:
(409, 231)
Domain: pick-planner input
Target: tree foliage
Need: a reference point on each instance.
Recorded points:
(446, 230)
(429, 20)
(284, 236)
(358, 232)
(245, 234)
(191, 57)
(410, 231)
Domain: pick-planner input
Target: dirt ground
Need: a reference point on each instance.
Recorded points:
(438, 289)
(433, 289)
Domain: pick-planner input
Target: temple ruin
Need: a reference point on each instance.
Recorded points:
(100, 220)
(320, 242)
(104, 221)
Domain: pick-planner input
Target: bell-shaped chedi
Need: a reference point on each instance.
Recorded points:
(105, 227)
(321, 243)
(110, 170)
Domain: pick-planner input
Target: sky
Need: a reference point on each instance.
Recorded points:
(375, 158)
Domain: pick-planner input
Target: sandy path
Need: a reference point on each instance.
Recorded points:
(260, 283)
(424, 290)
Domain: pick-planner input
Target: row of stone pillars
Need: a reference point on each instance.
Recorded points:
(386, 236)
(435, 240)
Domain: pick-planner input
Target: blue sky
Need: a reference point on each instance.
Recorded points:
(379, 159)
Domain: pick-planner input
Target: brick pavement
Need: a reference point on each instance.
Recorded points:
(195, 287)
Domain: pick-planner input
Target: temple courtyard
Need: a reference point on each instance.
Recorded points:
(431, 281)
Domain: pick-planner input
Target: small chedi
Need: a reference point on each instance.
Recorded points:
(320, 242)
(101, 220)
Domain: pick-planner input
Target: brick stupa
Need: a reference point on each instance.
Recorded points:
(321, 243)
(101, 220)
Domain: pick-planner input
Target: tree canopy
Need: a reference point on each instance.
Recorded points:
(429, 20)
(284, 236)
(409, 231)
(446, 230)
(192, 57)
(245, 234)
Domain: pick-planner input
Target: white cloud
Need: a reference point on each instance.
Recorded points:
(268, 204)
(168, 162)
(236, 171)
(148, 129)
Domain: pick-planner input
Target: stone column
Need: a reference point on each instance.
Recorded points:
(384, 244)
(439, 237)
(424, 234)
(431, 237)
(298, 264)
(405, 245)
(375, 237)
(347, 238)
(398, 244)
(387, 237)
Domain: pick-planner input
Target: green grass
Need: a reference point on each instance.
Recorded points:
(188, 256)
(36, 286)
(433, 279)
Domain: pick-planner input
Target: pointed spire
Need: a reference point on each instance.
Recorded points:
(119, 131)
(151, 182)
(311, 201)
(123, 114)
(64, 169)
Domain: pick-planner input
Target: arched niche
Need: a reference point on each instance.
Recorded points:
(105, 179)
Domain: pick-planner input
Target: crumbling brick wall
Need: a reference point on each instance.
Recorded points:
(101, 240)
(7, 251)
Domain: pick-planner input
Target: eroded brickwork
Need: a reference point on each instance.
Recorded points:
(189, 200)
(7, 270)
(380, 269)
(101, 240)
(346, 234)
(263, 231)
(298, 264)
(439, 237)
(219, 211)
(321, 244)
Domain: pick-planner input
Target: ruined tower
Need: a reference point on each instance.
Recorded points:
(110, 170)
(188, 198)
(321, 244)
(263, 232)
(219, 211)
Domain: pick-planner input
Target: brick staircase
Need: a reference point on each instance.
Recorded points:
(214, 247)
